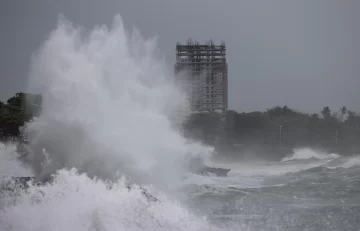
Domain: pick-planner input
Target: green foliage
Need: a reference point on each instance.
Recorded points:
(343, 110)
(281, 126)
(19, 109)
(204, 125)
(277, 126)
(326, 112)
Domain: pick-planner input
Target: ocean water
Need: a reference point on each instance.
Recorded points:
(108, 121)
(307, 190)
(304, 193)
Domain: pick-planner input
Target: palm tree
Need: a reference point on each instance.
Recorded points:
(326, 112)
(285, 110)
(343, 111)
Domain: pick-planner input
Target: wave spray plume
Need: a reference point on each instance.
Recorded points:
(108, 101)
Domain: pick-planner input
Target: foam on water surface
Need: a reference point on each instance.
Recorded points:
(75, 202)
(108, 107)
(307, 153)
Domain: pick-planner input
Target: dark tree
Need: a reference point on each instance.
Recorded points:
(326, 112)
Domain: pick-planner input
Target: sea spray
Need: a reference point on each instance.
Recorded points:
(308, 153)
(108, 100)
(9, 166)
(107, 103)
(76, 202)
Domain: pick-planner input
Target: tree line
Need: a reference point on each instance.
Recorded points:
(17, 110)
(337, 131)
(275, 127)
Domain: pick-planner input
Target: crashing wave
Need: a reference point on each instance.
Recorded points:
(11, 184)
(307, 154)
(351, 162)
(75, 202)
(197, 166)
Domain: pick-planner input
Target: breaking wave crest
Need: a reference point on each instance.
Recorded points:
(351, 162)
(317, 159)
(307, 153)
(9, 166)
(76, 202)
(109, 103)
(108, 110)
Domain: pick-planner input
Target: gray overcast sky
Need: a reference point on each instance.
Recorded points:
(300, 53)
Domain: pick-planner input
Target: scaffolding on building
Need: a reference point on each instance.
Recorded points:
(206, 74)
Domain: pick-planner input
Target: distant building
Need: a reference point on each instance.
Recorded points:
(202, 71)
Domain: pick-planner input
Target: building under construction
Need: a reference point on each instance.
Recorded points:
(202, 69)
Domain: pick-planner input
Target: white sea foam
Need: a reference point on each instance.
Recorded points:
(108, 100)
(351, 162)
(307, 153)
(75, 202)
(9, 166)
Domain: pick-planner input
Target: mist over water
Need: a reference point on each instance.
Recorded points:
(308, 153)
(109, 120)
(108, 104)
(109, 111)
(75, 202)
(9, 166)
